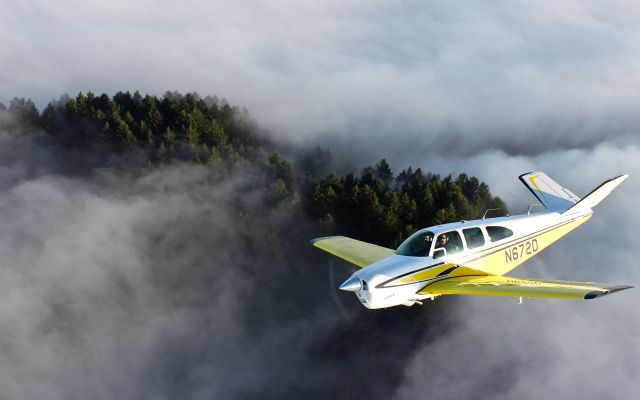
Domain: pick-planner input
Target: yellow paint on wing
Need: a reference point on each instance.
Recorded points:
(355, 251)
(509, 286)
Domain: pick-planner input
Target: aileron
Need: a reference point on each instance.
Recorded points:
(516, 287)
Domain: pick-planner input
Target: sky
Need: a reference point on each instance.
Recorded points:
(457, 76)
(493, 88)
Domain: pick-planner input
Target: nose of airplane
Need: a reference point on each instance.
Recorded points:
(351, 285)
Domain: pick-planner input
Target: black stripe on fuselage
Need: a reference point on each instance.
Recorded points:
(447, 271)
(382, 285)
(459, 276)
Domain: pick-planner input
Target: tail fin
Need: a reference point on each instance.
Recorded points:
(552, 196)
(597, 195)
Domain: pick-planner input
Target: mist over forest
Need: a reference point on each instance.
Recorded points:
(160, 248)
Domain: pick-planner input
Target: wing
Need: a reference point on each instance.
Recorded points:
(494, 285)
(354, 251)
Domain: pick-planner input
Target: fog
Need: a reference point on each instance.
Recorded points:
(170, 284)
(176, 282)
(407, 77)
(127, 283)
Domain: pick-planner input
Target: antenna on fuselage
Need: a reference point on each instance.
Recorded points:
(487, 210)
(533, 205)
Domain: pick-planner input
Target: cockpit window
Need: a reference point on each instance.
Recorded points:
(417, 245)
(450, 241)
(498, 233)
(473, 237)
(364, 285)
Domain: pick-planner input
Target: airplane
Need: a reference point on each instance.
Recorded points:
(471, 257)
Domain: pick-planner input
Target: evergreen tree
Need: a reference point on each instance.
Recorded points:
(372, 206)
(24, 111)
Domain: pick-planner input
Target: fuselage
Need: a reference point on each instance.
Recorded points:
(467, 248)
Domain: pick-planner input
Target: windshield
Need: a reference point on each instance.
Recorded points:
(417, 245)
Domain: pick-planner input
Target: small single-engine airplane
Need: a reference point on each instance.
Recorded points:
(471, 257)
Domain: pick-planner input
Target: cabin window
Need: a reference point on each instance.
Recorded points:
(450, 241)
(417, 245)
(498, 233)
(473, 237)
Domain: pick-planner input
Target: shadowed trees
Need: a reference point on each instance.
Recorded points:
(375, 205)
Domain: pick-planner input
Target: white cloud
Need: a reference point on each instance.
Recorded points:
(498, 74)
(490, 88)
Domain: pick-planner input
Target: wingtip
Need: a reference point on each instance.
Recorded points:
(621, 287)
(314, 241)
(599, 293)
(622, 177)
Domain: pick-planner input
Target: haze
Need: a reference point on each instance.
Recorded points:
(494, 89)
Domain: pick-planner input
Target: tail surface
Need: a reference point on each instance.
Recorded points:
(597, 195)
(556, 198)
(550, 194)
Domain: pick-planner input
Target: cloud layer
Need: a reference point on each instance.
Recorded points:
(120, 284)
(126, 286)
(459, 77)
(175, 283)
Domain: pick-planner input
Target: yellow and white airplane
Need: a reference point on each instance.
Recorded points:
(471, 257)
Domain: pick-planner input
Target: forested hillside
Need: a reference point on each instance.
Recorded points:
(375, 205)
(187, 229)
